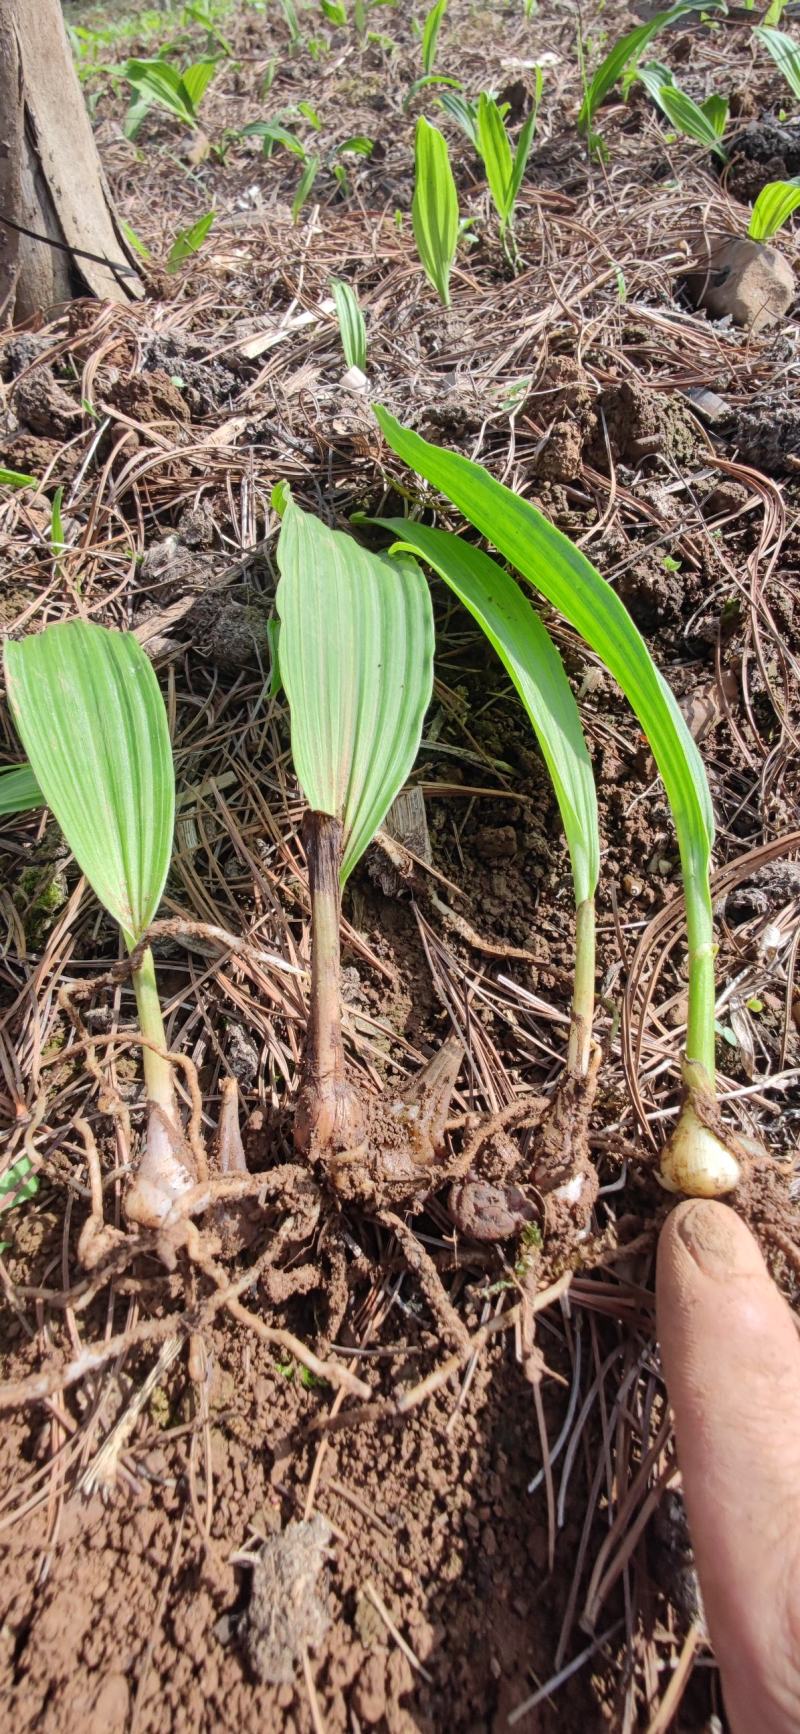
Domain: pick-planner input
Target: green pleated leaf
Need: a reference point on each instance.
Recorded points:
(715, 109)
(495, 152)
(304, 185)
(273, 133)
(89, 713)
(18, 1184)
(654, 76)
(690, 119)
(773, 208)
(157, 81)
(426, 82)
(19, 790)
(187, 242)
(356, 661)
(528, 653)
(15, 479)
(524, 143)
(196, 80)
(462, 110)
(785, 53)
(140, 107)
(434, 211)
(430, 34)
(359, 143)
(573, 585)
(352, 329)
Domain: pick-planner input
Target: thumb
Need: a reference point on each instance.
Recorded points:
(731, 1356)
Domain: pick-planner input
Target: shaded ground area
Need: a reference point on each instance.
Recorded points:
(136, 1501)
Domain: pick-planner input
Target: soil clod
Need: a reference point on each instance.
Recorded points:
(288, 1610)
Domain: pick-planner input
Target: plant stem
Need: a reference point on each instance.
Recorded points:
(165, 1169)
(580, 1033)
(328, 1110)
(158, 1074)
(700, 1032)
(322, 837)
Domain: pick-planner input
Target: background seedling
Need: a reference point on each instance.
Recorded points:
(504, 168)
(434, 211)
(361, 12)
(705, 121)
(15, 479)
(430, 42)
(135, 241)
(352, 330)
(289, 11)
(17, 1185)
(159, 82)
(274, 132)
(203, 12)
(619, 58)
(188, 242)
(430, 34)
(785, 53)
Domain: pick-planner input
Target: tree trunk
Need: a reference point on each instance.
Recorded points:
(51, 181)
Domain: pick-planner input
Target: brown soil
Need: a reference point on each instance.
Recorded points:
(154, 1578)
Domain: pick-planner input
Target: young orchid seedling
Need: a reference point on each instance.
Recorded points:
(356, 661)
(87, 706)
(703, 1157)
(355, 651)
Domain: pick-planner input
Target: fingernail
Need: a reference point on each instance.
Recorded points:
(717, 1240)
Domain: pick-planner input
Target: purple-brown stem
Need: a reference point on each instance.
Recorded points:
(329, 1113)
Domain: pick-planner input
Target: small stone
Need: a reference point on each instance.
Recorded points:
(369, 1691)
(43, 405)
(242, 1055)
(196, 526)
(747, 281)
(709, 405)
(496, 842)
(231, 634)
(726, 497)
(677, 1014)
